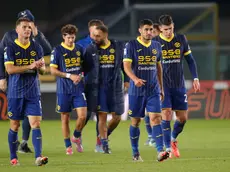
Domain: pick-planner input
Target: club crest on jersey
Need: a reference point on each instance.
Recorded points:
(32, 53)
(177, 44)
(154, 51)
(78, 53)
(112, 50)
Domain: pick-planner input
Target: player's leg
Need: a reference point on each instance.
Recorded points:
(65, 118)
(15, 112)
(64, 108)
(180, 105)
(153, 107)
(113, 123)
(33, 111)
(136, 112)
(148, 127)
(116, 118)
(80, 105)
(166, 119)
(23, 147)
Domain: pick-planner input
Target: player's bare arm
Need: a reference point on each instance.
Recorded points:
(128, 70)
(41, 66)
(75, 78)
(160, 79)
(12, 69)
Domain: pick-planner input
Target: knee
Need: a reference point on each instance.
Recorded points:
(155, 119)
(167, 114)
(117, 118)
(182, 116)
(35, 124)
(82, 117)
(135, 122)
(14, 125)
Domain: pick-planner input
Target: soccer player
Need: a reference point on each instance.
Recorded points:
(66, 62)
(150, 141)
(142, 63)
(105, 75)
(175, 49)
(9, 38)
(23, 61)
(85, 42)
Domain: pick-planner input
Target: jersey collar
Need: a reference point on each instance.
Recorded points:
(68, 48)
(142, 43)
(105, 46)
(21, 45)
(166, 39)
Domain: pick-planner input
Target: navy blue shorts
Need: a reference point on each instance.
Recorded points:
(18, 108)
(67, 102)
(106, 101)
(138, 104)
(175, 98)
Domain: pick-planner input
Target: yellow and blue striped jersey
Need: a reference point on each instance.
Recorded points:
(68, 60)
(173, 52)
(23, 84)
(144, 59)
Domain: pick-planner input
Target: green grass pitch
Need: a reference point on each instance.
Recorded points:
(204, 147)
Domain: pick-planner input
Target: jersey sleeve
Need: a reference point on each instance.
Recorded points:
(54, 59)
(187, 49)
(128, 53)
(40, 52)
(159, 54)
(8, 55)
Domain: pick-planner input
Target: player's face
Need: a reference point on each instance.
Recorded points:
(69, 39)
(24, 29)
(167, 31)
(156, 32)
(99, 37)
(91, 31)
(146, 32)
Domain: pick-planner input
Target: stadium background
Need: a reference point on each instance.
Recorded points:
(206, 24)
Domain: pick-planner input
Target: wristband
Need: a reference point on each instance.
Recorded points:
(68, 75)
(196, 79)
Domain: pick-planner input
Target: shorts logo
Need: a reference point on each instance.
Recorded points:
(78, 53)
(33, 53)
(154, 51)
(98, 107)
(10, 114)
(112, 50)
(58, 108)
(177, 44)
(130, 112)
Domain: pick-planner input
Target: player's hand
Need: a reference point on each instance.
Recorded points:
(3, 85)
(33, 65)
(34, 29)
(162, 95)
(196, 86)
(139, 82)
(40, 63)
(75, 78)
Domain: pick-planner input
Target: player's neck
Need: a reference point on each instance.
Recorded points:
(144, 40)
(23, 41)
(106, 42)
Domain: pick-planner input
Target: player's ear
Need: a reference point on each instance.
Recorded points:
(139, 30)
(16, 29)
(63, 36)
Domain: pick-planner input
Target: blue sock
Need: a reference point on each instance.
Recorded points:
(134, 133)
(77, 133)
(178, 128)
(157, 135)
(67, 142)
(109, 132)
(104, 142)
(97, 131)
(148, 126)
(167, 133)
(37, 141)
(12, 140)
(25, 129)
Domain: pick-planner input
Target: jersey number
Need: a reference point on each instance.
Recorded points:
(185, 98)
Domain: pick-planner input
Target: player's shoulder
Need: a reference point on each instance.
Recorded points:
(156, 43)
(131, 43)
(180, 36)
(9, 37)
